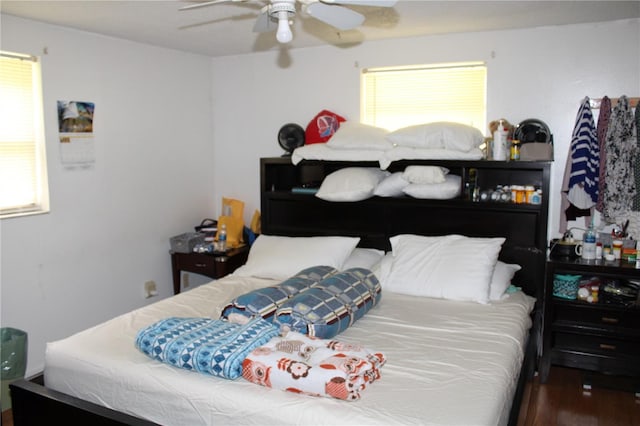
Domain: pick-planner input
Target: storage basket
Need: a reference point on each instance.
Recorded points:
(566, 286)
(184, 243)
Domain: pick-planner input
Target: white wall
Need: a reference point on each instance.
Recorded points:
(166, 153)
(109, 227)
(541, 73)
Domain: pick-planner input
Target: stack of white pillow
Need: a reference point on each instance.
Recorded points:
(452, 267)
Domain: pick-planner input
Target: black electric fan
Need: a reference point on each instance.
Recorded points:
(290, 137)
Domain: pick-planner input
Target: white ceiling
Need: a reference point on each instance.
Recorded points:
(226, 29)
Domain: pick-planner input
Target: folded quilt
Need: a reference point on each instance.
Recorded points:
(317, 367)
(265, 301)
(208, 346)
(333, 305)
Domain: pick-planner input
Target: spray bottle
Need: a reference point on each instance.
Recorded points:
(500, 143)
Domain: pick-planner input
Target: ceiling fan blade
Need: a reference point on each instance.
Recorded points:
(377, 3)
(209, 3)
(336, 16)
(264, 23)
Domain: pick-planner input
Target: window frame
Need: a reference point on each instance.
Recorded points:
(39, 197)
(368, 116)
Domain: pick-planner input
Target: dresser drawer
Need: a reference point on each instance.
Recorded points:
(598, 316)
(602, 344)
(212, 266)
(199, 263)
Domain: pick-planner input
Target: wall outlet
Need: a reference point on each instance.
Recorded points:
(185, 280)
(150, 289)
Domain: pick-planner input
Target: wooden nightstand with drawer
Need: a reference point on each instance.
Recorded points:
(599, 337)
(210, 265)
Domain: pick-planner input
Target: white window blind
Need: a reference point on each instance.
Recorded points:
(392, 98)
(23, 183)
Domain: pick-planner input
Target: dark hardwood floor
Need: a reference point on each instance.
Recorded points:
(7, 420)
(562, 401)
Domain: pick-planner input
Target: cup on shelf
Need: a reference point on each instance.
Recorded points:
(617, 249)
(587, 251)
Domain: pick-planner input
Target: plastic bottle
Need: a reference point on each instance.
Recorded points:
(222, 238)
(515, 150)
(500, 143)
(536, 198)
(589, 243)
(529, 191)
(521, 194)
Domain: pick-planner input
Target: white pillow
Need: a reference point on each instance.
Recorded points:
(363, 258)
(501, 279)
(425, 174)
(382, 269)
(451, 267)
(353, 135)
(439, 135)
(351, 184)
(391, 186)
(450, 188)
(279, 257)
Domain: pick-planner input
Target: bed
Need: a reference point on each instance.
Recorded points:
(447, 361)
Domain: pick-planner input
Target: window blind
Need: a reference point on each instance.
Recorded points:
(22, 161)
(392, 98)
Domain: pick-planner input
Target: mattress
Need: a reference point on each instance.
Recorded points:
(448, 363)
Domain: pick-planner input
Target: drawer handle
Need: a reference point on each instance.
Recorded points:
(201, 265)
(608, 347)
(610, 320)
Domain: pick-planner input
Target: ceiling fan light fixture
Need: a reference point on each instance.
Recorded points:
(283, 35)
(331, 12)
(282, 10)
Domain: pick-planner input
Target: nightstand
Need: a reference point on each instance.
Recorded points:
(210, 265)
(598, 337)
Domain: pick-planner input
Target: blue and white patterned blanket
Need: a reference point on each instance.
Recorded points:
(265, 301)
(333, 305)
(205, 345)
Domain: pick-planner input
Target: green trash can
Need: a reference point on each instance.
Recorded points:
(13, 355)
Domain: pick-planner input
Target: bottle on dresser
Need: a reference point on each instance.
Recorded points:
(222, 239)
(589, 243)
(499, 146)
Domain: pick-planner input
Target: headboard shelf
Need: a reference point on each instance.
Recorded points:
(375, 220)
(455, 202)
(281, 175)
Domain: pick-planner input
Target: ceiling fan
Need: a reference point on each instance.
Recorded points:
(277, 14)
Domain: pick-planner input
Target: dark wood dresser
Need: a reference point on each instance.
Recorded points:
(211, 265)
(602, 336)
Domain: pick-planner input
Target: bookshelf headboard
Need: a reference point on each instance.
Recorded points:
(377, 219)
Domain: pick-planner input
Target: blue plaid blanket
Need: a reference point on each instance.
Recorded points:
(265, 301)
(333, 305)
(208, 346)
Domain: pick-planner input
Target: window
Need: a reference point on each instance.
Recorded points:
(23, 177)
(397, 97)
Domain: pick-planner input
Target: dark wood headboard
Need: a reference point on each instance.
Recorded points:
(377, 219)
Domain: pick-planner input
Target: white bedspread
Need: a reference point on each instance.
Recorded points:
(449, 363)
(321, 151)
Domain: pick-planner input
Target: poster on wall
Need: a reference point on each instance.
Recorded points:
(75, 126)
